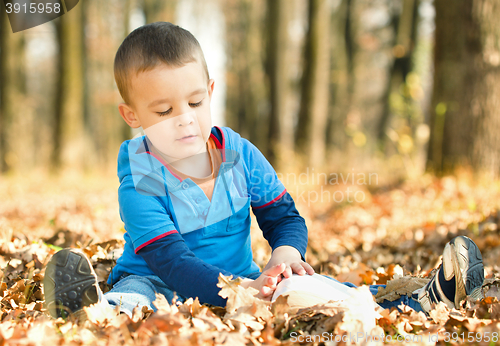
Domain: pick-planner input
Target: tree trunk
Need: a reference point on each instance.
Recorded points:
(311, 130)
(342, 70)
(160, 10)
(106, 128)
(466, 118)
(277, 64)
(236, 59)
(11, 88)
(245, 87)
(254, 70)
(69, 134)
(125, 130)
(405, 25)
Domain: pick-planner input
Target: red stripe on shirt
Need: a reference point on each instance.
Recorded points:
(217, 143)
(274, 200)
(165, 164)
(223, 145)
(155, 239)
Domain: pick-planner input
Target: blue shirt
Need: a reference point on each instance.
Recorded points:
(160, 211)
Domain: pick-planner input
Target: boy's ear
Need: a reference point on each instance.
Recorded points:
(210, 87)
(128, 115)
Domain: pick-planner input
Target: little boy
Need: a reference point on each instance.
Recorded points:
(186, 188)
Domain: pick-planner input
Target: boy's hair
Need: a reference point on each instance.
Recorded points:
(151, 45)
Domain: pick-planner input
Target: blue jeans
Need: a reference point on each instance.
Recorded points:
(135, 290)
(405, 300)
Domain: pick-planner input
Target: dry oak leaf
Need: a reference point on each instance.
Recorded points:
(493, 291)
(399, 286)
(487, 308)
(418, 319)
(242, 306)
(440, 314)
(236, 295)
(167, 318)
(191, 307)
(239, 297)
(101, 313)
(164, 323)
(202, 314)
(280, 309)
(212, 320)
(42, 333)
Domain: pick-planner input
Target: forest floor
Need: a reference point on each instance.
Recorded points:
(392, 233)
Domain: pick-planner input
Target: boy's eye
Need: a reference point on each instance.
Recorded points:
(197, 104)
(167, 112)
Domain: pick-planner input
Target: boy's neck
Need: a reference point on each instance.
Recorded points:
(196, 166)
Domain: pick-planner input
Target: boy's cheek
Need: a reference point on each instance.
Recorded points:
(205, 122)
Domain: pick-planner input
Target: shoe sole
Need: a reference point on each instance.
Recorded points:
(70, 283)
(468, 267)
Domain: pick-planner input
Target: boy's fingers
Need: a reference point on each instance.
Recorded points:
(276, 270)
(287, 273)
(271, 281)
(297, 268)
(308, 268)
(265, 291)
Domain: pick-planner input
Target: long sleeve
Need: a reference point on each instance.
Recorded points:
(272, 205)
(281, 224)
(171, 260)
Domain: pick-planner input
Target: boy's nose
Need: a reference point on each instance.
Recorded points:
(185, 119)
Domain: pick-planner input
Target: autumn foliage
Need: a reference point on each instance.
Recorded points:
(394, 237)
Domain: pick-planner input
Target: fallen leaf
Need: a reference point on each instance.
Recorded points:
(399, 286)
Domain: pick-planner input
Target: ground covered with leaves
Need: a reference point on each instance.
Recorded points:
(394, 236)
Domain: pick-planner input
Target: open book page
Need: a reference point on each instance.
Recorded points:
(309, 290)
(314, 287)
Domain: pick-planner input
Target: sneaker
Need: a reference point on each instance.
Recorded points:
(461, 275)
(70, 283)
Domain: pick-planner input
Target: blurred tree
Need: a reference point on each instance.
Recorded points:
(87, 100)
(12, 87)
(69, 132)
(159, 10)
(465, 121)
(106, 128)
(405, 23)
(278, 16)
(128, 5)
(311, 129)
(341, 81)
(246, 91)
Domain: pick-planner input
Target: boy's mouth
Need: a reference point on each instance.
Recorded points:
(188, 136)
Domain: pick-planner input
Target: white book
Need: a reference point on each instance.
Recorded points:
(308, 290)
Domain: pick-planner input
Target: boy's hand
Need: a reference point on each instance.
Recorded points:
(266, 282)
(290, 256)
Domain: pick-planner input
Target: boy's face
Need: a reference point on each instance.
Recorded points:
(171, 103)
